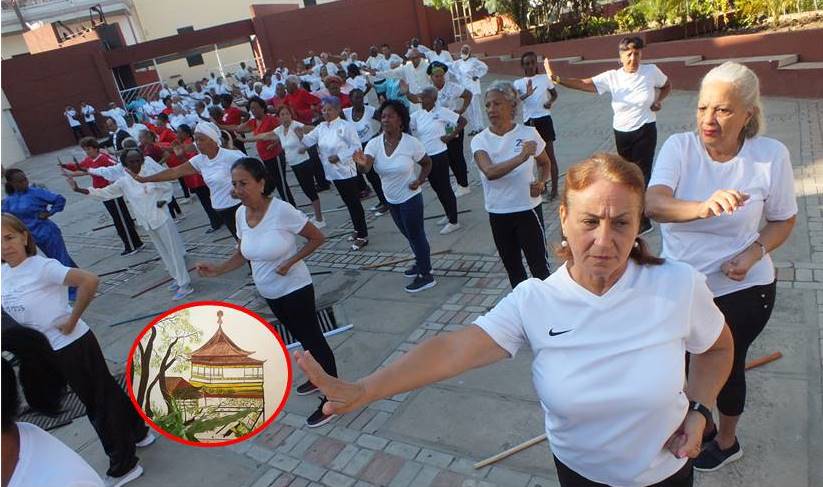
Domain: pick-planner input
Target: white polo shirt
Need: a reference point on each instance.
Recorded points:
(762, 169)
(35, 296)
(510, 193)
(429, 126)
(272, 241)
(610, 370)
(632, 94)
(399, 169)
(217, 176)
(534, 105)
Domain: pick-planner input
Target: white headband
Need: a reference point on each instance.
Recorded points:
(209, 130)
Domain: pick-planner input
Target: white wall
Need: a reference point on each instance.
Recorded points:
(13, 148)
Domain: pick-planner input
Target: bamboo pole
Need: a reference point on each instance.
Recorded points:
(763, 360)
(510, 451)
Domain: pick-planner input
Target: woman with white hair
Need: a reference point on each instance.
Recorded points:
(710, 189)
(337, 141)
(214, 164)
(508, 154)
(469, 70)
(637, 91)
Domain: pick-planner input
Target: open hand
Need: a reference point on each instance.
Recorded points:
(686, 440)
(722, 201)
(207, 269)
(343, 397)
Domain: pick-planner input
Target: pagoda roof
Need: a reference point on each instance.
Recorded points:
(180, 388)
(221, 350)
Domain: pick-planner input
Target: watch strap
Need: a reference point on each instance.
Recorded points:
(700, 408)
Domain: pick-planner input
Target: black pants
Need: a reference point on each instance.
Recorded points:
(277, 170)
(638, 146)
(569, 478)
(110, 411)
(123, 223)
(93, 130)
(521, 232)
(319, 172)
(186, 193)
(747, 311)
(174, 208)
(204, 196)
(77, 132)
(304, 172)
(439, 179)
(350, 194)
(457, 160)
(229, 218)
(298, 314)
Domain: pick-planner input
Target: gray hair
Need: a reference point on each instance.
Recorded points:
(747, 86)
(506, 89)
(430, 90)
(293, 79)
(332, 101)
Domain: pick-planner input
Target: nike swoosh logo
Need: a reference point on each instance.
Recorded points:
(553, 333)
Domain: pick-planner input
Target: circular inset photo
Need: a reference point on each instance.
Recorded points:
(209, 374)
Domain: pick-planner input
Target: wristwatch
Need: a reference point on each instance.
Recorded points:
(696, 406)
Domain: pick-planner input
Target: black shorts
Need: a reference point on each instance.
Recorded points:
(544, 126)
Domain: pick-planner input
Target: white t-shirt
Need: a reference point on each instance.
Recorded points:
(510, 193)
(610, 370)
(291, 144)
(44, 461)
(135, 130)
(88, 113)
(429, 126)
(534, 105)
(762, 169)
(268, 92)
(217, 176)
(399, 169)
(71, 116)
(450, 96)
(269, 243)
(632, 94)
(338, 137)
(34, 295)
(359, 82)
(367, 126)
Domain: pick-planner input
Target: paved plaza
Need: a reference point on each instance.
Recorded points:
(431, 437)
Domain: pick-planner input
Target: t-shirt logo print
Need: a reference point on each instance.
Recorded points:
(553, 333)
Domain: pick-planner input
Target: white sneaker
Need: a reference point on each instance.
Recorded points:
(318, 224)
(449, 228)
(148, 440)
(182, 293)
(124, 479)
(443, 220)
(461, 190)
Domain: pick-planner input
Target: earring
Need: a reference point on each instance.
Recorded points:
(636, 244)
(564, 243)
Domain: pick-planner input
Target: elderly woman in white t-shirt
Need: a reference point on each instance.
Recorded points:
(710, 190)
(268, 229)
(609, 332)
(34, 295)
(637, 93)
(514, 168)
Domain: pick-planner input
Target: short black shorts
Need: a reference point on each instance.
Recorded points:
(544, 127)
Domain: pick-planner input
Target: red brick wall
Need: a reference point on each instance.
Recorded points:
(42, 85)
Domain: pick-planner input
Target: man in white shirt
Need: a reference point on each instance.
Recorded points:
(281, 69)
(413, 72)
(242, 73)
(117, 114)
(88, 117)
(331, 68)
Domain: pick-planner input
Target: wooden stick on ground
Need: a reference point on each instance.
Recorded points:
(510, 451)
(763, 360)
(155, 286)
(377, 265)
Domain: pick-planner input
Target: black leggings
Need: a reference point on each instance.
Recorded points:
(297, 312)
(319, 172)
(521, 232)
(229, 218)
(186, 193)
(350, 194)
(746, 311)
(638, 146)
(77, 132)
(569, 478)
(439, 179)
(457, 160)
(277, 169)
(174, 208)
(110, 411)
(204, 196)
(123, 223)
(304, 172)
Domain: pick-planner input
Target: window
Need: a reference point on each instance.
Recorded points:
(196, 59)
